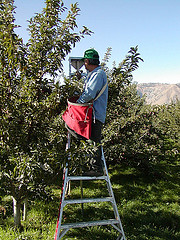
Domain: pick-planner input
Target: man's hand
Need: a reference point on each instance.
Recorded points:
(78, 75)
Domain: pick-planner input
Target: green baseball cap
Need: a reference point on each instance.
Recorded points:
(91, 54)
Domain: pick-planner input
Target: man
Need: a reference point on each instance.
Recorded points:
(94, 83)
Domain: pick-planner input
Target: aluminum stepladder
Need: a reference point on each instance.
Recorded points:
(62, 229)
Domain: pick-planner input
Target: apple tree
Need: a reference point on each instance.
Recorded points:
(31, 133)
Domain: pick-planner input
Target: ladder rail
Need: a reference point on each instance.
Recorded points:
(61, 206)
(63, 191)
(109, 186)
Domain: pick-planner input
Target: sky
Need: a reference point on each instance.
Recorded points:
(153, 25)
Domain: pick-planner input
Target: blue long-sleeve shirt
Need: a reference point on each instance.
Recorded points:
(93, 85)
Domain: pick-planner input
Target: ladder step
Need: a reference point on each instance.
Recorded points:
(88, 200)
(89, 224)
(76, 178)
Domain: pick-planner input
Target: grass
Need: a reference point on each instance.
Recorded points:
(148, 206)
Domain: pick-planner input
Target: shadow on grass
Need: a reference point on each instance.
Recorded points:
(148, 207)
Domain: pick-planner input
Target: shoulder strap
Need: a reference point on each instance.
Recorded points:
(101, 92)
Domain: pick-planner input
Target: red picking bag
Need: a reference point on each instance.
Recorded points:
(78, 117)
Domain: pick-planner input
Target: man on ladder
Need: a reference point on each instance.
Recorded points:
(96, 90)
(95, 82)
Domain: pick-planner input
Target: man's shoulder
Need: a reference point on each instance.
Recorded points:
(99, 70)
(97, 73)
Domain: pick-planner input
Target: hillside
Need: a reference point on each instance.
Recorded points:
(159, 93)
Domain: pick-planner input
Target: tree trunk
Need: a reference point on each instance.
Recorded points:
(25, 209)
(17, 212)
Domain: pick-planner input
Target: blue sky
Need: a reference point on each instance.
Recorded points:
(153, 25)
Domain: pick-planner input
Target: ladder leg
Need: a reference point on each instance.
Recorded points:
(116, 213)
(81, 186)
(68, 187)
(63, 191)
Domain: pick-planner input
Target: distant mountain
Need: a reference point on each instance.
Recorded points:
(159, 93)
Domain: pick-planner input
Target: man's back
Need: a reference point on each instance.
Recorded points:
(94, 83)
